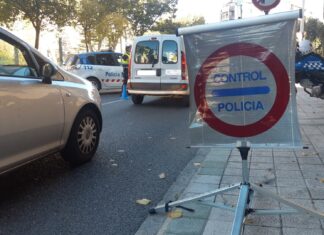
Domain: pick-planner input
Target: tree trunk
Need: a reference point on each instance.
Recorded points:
(99, 44)
(37, 31)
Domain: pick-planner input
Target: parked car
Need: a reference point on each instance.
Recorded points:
(43, 109)
(103, 69)
(158, 68)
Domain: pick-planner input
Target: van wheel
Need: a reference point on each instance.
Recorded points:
(84, 138)
(95, 82)
(137, 99)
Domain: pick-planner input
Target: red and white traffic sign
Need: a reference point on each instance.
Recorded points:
(265, 5)
(242, 90)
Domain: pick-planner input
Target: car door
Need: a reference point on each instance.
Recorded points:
(171, 64)
(109, 70)
(146, 74)
(31, 112)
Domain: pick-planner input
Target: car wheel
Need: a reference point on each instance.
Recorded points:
(137, 99)
(95, 82)
(84, 138)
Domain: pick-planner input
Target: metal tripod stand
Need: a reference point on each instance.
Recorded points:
(245, 198)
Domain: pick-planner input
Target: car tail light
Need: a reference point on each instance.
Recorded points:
(183, 66)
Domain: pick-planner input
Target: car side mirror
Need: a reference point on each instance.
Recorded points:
(47, 72)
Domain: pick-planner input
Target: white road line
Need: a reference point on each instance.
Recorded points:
(111, 102)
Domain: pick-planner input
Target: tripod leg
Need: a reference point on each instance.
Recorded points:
(240, 211)
(194, 198)
(287, 202)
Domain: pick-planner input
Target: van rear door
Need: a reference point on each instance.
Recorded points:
(146, 72)
(171, 63)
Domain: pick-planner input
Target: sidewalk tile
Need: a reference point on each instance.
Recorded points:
(291, 182)
(261, 166)
(213, 164)
(211, 171)
(200, 188)
(201, 211)
(319, 206)
(266, 220)
(288, 174)
(217, 228)
(294, 192)
(257, 230)
(233, 171)
(287, 166)
(186, 226)
(301, 231)
(317, 193)
(309, 161)
(221, 215)
(279, 160)
(263, 159)
(206, 179)
(300, 220)
(262, 173)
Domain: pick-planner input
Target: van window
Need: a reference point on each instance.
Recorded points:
(147, 52)
(170, 52)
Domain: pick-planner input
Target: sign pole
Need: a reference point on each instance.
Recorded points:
(244, 196)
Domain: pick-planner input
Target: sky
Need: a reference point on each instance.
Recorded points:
(210, 9)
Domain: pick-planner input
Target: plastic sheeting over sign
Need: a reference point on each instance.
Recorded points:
(242, 82)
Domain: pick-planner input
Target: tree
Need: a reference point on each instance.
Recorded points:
(38, 12)
(170, 26)
(87, 16)
(143, 14)
(315, 33)
(99, 23)
(111, 31)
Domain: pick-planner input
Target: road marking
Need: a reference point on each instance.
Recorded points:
(111, 102)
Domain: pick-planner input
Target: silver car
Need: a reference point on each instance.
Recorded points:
(43, 109)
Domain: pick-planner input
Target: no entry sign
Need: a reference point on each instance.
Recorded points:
(242, 82)
(265, 5)
(258, 98)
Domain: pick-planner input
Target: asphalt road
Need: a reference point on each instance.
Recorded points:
(137, 144)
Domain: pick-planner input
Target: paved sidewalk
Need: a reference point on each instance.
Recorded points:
(297, 175)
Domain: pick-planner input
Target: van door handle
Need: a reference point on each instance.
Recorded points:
(158, 72)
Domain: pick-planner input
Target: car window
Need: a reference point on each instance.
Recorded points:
(13, 61)
(107, 59)
(147, 52)
(170, 52)
(118, 58)
(41, 62)
(72, 60)
(91, 59)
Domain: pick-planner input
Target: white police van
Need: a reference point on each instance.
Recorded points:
(158, 67)
(103, 69)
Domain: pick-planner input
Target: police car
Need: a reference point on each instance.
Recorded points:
(103, 69)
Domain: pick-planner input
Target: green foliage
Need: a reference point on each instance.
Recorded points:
(111, 31)
(143, 14)
(315, 33)
(38, 12)
(170, 26)
(10, 55)
(98, 22)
